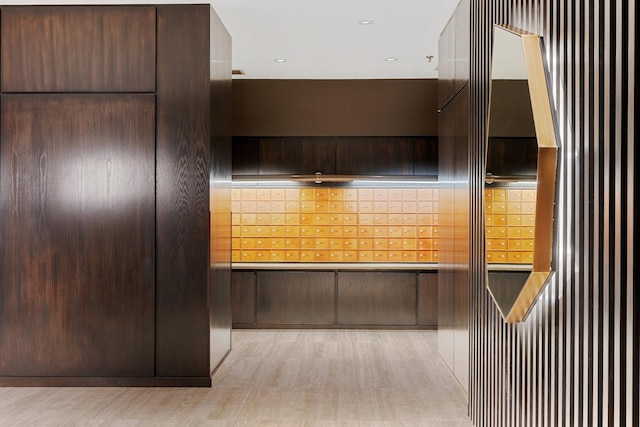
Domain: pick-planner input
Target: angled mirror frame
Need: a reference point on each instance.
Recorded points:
(514, 289)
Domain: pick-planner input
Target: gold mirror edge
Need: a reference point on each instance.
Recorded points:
(545, 205)
(530, 291)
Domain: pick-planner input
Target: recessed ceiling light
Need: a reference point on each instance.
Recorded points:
(391, 59)
(279, 60)
(365, 22)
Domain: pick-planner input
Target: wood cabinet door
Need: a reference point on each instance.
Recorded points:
(243, 297)
(77, 262)
(244, 156)
(78, 49)
(295, 297)
(425, 156)
(374, 156)
(303, 156)
(376, 298)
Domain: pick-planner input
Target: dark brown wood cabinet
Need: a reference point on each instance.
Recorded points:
(303, 156)
(425, 156)
(295, 297)
(106, 140)
(428, 299)
(78, 238)
(244, 156)
(243, 297)
(376, 298)
(374, 156)
(335, 155)
(78, 49)
(334, 298)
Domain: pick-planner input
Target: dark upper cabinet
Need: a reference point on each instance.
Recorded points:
(244, 156)
(425, 155)
(335, 155)
(78, 49)
(374, 156)
(296, 156)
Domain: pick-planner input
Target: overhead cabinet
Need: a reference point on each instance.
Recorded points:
(78, 49)
(386, 156)
(296, 156)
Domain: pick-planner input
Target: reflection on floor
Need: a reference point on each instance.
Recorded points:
(275, 378)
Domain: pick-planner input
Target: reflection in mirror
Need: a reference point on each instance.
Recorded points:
(520, 173)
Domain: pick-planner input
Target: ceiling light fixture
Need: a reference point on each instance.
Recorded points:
(365, 22)
(279, 60)
(391, 59)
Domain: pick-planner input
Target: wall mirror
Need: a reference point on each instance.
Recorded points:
(520, 173)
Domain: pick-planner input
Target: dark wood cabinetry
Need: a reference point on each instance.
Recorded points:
(428, 299)
(374, 156)
(78, 49)
(376, 298)
(244, 155)
(105, 149)
(295, 297)
(334, 298)
(335, 155)
(243, 297)
(425, 156)
(77, 235)
(296, 156)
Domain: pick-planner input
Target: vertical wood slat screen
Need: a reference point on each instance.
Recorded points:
(574, 362)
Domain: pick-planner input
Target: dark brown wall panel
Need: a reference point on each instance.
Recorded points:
(182, 195)
(77, 235)
(220, 316)
(573, 362)
(296, 297)
(376, 298)
(334, 107)
(78, 49)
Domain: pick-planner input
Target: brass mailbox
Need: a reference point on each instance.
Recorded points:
(521, 154)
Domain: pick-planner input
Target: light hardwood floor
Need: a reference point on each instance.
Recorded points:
(275, 378)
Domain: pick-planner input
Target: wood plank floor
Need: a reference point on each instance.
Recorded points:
(275, 378)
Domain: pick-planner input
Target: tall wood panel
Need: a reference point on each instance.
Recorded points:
(77, 235)
(453, 193)
(182, 208)
(105, 176)
(220, 192)
(574, 360)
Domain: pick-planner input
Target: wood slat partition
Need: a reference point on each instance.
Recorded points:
(573, 362)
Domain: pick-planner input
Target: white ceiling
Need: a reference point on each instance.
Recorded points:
(321, 39)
